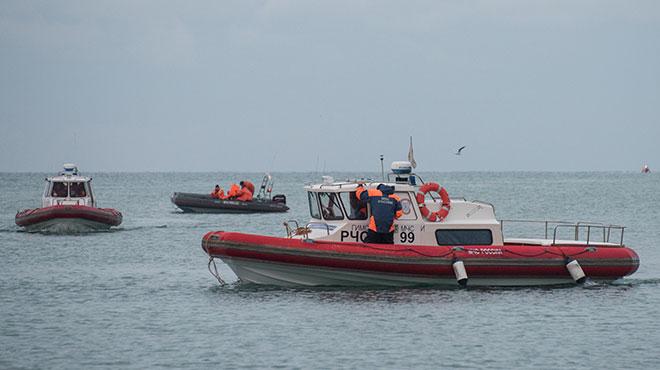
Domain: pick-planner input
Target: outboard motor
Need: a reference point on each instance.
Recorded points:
(279, 198)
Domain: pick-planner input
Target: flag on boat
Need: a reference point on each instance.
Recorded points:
(411, 156)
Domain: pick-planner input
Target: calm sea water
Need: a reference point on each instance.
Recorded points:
(141, 296)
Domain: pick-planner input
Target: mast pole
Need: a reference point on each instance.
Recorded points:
(382, 168)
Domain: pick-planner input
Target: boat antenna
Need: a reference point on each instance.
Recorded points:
(382, 168)
(272, 164)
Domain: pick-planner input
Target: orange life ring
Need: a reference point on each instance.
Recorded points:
(440, 214)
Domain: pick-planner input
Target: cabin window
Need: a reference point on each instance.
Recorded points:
(88, 188)
(352, 206)
(331, 206)
(464, 237)
(77, 190)
(60, 190)
(313, 206)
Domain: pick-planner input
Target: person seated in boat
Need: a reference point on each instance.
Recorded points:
(77, 190)
(385, 208)
(244, 193)
(248, 185)
(59, 190)
(233, 192)
(218, 193)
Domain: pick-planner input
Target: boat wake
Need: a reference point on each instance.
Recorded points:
(135, 228)
(66, 231)
(635, 282)
(82, 231)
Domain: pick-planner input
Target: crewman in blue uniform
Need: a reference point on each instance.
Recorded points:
(385, 208)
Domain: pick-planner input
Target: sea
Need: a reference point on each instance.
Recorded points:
(141, 296)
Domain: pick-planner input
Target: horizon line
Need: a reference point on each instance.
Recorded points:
(333, 171)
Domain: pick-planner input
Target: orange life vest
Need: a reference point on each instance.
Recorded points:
(249, 186)
(383, 214)
(244, 195)
(233, 191)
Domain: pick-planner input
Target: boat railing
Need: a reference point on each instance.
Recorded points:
(578, 228)
(348, 183)
(266, 188)
(327, 226)
(340, 186)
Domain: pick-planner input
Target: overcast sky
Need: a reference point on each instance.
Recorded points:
(299, 85)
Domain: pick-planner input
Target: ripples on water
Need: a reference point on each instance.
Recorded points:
(141, 296)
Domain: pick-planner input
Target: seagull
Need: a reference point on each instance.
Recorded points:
(458, 152)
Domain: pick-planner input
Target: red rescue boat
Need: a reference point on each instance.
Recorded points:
(440, 241)
(287, 261)
(68, 205)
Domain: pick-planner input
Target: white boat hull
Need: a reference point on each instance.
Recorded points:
(283, 274)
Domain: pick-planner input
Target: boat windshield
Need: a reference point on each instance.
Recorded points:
(330, 206)
(313, 206)
(77, 190)
(59, 190)
(352, 206)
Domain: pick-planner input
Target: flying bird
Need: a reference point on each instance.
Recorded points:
(458, 152)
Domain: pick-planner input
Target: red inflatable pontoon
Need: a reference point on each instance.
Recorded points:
(71, 217)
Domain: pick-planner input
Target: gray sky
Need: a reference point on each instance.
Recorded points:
(284, 85)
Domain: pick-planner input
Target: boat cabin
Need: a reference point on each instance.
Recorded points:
(68, 188)
(337, 215)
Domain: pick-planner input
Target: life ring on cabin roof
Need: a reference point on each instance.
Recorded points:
(440, 214)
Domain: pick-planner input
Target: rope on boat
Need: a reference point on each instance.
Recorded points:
(451, 251)
(215, 272)
(547, 251)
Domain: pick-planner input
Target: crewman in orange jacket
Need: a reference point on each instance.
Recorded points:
(385, 208)
(233, 192)
(244, 194)
(248, 185)
(217, 193)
